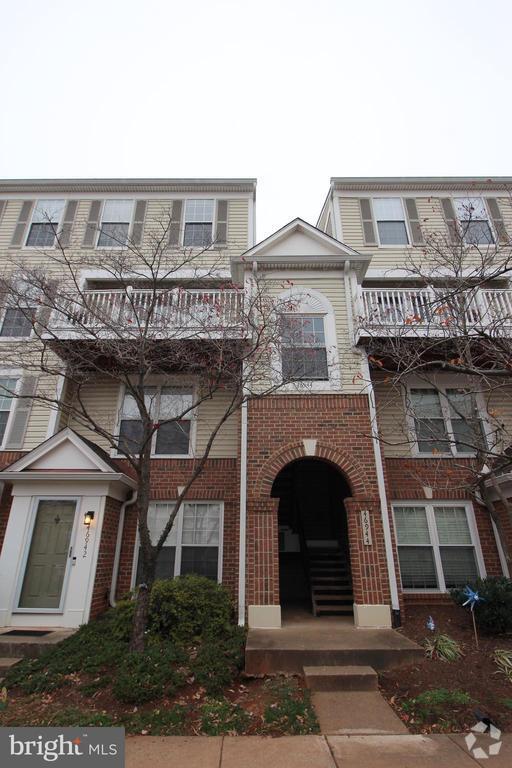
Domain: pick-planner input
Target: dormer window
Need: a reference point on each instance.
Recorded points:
(390, 218)
(474, 221)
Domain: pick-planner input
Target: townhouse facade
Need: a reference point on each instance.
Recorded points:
(310, 499)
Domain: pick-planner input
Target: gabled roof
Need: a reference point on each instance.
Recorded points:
(300, 245)
(66, 455)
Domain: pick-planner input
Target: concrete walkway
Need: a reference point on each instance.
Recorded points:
(409, 751)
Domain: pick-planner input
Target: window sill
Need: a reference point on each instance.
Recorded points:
(443, 455)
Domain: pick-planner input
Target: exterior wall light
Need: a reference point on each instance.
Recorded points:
(88, 518)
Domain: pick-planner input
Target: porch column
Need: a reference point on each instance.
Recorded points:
(370, 579)
(263, 563)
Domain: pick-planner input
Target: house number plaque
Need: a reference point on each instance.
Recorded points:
(367, 530)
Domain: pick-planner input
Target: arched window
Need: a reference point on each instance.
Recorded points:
(308, 340)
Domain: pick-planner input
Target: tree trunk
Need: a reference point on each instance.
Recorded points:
(140, 618)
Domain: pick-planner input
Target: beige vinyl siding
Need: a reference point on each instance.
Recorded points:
(431, 220)
(227, 441)
(101, 400)
(391, 420)
(333, 288)
(238, 226)
(499, 408)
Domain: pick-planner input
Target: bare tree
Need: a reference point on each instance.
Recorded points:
(451, 313)
(153, 312)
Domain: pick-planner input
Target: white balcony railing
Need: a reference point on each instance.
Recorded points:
(421, 308)
(188, 310)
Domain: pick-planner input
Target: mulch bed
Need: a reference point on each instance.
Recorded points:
(476, 674)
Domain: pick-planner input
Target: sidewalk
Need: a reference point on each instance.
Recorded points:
(409, 751)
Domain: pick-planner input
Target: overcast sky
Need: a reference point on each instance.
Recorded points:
(289, 91)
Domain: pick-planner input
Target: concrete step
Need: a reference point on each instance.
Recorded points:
(334, 610)
(333, 597)
(6, 662)
(346, 678)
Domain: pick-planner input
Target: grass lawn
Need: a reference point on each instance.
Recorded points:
(189, 680)
(438, 696)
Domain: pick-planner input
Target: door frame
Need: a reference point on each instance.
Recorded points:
(28, 542)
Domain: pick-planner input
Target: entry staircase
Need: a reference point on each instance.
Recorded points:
(328, 572)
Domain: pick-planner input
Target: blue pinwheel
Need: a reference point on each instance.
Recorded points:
(472, 597)
(430, 624)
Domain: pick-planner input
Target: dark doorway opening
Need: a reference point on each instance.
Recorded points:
(314, 557)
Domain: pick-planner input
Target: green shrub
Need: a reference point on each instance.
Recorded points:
(436, 703)
(503, 660)
(291, 712)
(190, 607)
(219, 716)
(494, 613)
(149, 675)
(442, 647)
(77, 718)
(218, 661)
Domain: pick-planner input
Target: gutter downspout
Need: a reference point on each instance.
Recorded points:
(388, 543)
(243, 516)
(117, 555)
(242, 543)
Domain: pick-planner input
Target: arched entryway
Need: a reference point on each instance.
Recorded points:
(314, 557)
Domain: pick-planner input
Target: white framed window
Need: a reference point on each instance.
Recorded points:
(445, 420)
(303, 349)
(390, 218)
(194, 544)
(45, 223)
(438, 546)
(198, 229)
(115, 223)
(7, 384)
(173, 438)
(17, 322)
(474, 220)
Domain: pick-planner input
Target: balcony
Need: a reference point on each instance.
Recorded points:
(421, 312)
(163, 314)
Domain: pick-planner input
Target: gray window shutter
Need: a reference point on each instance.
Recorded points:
(138, 222)
(18, 239)
(450, 219)
(221, 234)
(175, 227)
(93, 222)
(3, 206)
(67, 223)
(16, 437)
(497, 219)
(367, 219)
(414, 221)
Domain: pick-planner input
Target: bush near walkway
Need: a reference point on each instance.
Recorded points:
(187, 680)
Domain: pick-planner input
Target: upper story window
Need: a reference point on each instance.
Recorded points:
(115, 223)
(303, 349)
(46, 218)
(436, 546)
(171, 438)
(7, 384)
(16, 323)
(390, 218)
(446, 421)
(474, 220)
(198, 232)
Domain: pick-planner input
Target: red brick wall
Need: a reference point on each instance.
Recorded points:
(219, 481)
(105, 564)
(6, 458)
(341, 425)
(449, 479)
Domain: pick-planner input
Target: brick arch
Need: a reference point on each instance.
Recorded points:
(354, 474)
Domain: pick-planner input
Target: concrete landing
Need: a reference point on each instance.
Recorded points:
(16, 646)
(343, 713)
(324, 642)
